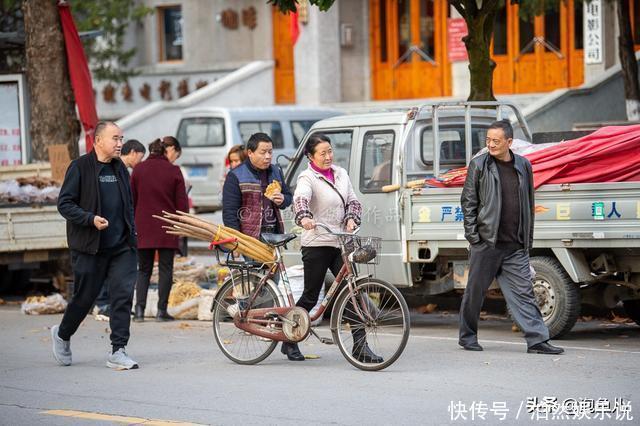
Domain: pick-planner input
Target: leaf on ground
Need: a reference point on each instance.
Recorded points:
(620, 320)
(427, 309)
(515, 328)
(184, 325)
(311, 356)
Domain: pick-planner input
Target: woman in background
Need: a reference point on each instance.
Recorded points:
(157, 185)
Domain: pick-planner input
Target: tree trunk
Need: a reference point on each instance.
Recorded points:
(481, 65)
(628, 62)
(53, 114)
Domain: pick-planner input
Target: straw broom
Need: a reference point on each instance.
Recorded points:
(188, 225)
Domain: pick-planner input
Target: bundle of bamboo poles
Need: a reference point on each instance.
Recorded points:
(188, 225)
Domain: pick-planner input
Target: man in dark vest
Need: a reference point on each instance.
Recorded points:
(498, 206)
(95, 199)
(244, 204)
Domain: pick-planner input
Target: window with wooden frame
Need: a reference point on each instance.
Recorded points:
(170, 33)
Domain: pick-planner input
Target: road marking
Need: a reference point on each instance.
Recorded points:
(580, 348)
(117, 419)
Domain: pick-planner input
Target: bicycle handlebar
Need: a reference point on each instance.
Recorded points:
(326, 228)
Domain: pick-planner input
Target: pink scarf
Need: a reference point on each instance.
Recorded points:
(327, 173)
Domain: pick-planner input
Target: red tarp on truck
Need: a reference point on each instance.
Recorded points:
(610, 154)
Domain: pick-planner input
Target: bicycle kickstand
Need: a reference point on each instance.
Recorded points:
(325, 340)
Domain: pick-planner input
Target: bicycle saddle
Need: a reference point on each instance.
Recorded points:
(277, 240)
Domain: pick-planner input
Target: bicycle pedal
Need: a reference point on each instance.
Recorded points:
(325, 340)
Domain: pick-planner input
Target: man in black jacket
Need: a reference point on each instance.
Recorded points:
(498, 206)
(95, 199)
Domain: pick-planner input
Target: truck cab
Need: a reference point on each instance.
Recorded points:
(388, 156)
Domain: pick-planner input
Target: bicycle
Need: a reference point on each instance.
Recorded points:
(251, 315)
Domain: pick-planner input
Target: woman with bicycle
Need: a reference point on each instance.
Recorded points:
(324, 194)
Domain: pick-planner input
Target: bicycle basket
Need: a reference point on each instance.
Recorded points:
(363, 249)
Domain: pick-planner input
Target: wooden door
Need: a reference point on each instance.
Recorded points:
(502, 48)
(554, 50)
(284, 76)
(575, 37)
(408, 49)
(539, 54)
(525, 63)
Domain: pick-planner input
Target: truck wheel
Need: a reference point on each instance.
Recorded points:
(632, 308)
(556, 295)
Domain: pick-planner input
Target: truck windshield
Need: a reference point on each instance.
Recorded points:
(452, 144)
(272, 128)
(201, 132)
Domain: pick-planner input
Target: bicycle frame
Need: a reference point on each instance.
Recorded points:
(250, 318)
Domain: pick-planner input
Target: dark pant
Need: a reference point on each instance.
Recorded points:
(102, 300)
(511, 269)
(165, 279)
(115, 268)
(316, 261)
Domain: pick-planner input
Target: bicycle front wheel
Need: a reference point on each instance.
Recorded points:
(371, 326)
(238, 345)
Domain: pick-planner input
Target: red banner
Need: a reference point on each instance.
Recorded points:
(79, 74)
(294, 27)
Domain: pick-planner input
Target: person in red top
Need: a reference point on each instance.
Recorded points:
(156, 185)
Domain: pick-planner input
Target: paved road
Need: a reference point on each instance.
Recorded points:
(184, 377)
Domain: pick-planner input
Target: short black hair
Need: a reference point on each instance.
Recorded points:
(255, 139)
(133, 145)
(315, 140)
(505, 126)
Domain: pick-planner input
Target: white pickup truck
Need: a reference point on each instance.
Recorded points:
(32, 236)
(587, 236)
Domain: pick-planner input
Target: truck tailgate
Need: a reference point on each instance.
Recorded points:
(31, 228)
(570, 215)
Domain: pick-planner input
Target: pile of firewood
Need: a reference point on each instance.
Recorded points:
(188, 225)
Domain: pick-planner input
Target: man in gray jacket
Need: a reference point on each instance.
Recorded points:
(498, 205)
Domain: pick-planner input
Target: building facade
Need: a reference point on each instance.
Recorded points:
(360, 50)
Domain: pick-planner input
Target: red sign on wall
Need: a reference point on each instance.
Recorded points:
(456, 29)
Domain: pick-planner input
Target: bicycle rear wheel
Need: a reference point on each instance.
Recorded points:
(380, 323)
(238, 345)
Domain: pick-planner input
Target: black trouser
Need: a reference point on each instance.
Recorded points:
(103, 297)
(316, 262)
(115, 268)
(512, 271)
(165, 276)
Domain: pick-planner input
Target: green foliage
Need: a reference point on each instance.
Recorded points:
(108, 59)
(11, 54)
(287, 6)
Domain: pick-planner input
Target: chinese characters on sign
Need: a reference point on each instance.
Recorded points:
(544, 409)
(10, 143)
(456, 30)
(593, 32)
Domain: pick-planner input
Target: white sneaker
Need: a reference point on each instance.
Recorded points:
(61, 348)
(121, 361)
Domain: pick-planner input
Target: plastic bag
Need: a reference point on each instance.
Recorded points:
(296, 281)
(9, 191)
(204, 305)
(40, 305)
